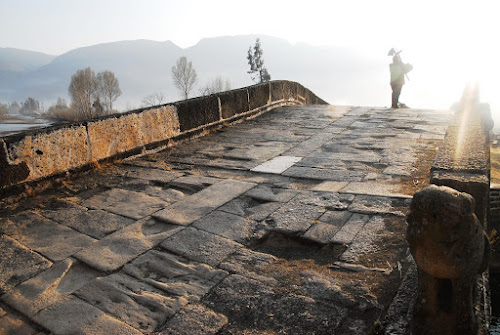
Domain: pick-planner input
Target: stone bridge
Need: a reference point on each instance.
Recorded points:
(290, 221)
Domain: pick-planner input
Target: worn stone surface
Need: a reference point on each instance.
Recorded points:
(122, 133)
(291, 218)
(131, 204)
(269, 193)
(379, 205)
(195, 319)
(190, 240)
(95, 223)
(74, 316)
(124, 245)
(194, 207)
(131, 301)
(13, 255)
(52, 240)
(175, 275)
(250, 208)
(228, 225)
(350, 229)
(277, 165)
(54, 152)
(15, 324)
(250, 305)
(200, 246)
(377, 188)
(48, 287)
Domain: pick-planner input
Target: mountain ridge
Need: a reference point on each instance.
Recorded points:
(143, 67)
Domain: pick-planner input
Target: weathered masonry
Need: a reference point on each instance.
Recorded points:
(448, 226)
(42, 153)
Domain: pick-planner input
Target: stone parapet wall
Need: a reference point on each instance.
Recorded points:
(39, 154)
(463, 159)
(463, 163)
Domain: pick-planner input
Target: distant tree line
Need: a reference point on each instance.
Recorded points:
(93, 95)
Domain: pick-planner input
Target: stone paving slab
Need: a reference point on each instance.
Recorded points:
(350, 229)
(277, 165)
(15, 324)
(250, 209)
(323, 174)
(192, 240)
(199, 204)
(74, 316)
(48, 287)
(131, 204)
(95, 223)
(131, 301)
(51, 239)
(292, 218)
(228, 225)
(13, 254)
(156, 175)
(200, 246)
(376, 188)
(115, 250)
(174, 274)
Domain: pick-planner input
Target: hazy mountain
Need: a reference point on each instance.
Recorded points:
(144, 67)
(17, 60)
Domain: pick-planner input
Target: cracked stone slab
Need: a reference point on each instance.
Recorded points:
(131, 204)
(194, 183)
(122, 246)
(268, 193)
(293, 218)
(200, 246)
(195, 319)
(363, 243)
(247, 263)
(231, 226)
(49, 286)
(51, 239)
(367, 204)
(350, 229)
(174, 274)
(200, 204)
(249, 208)
(74, 316)
(321, 232)
(13, 254)
(95, 223)
(277, 165)
(131, 301)
(330, 201)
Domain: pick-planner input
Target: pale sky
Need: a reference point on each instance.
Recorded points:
(448, 41)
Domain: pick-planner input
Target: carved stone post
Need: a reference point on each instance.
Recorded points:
(450, 248)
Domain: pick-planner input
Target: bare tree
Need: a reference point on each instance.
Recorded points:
(4, 109)
(108, 89)
(184, 76)
(82, 89)
(154, 99)
(215, 86)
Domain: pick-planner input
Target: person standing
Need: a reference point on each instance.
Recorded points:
(398, 71)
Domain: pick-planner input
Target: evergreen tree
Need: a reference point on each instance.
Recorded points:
(257, 72)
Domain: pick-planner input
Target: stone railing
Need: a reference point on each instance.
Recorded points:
(35, 155)
(447, 227)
